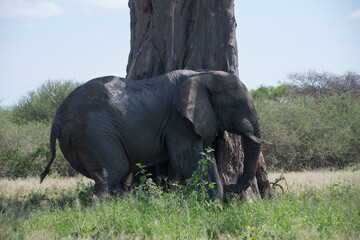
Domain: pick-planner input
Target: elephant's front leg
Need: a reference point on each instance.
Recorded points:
(184, 147)
(213, 173)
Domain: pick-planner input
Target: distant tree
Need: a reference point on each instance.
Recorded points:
(270, 93)
(319, 84)
(42, 104)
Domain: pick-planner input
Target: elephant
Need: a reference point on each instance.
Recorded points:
(109, 124)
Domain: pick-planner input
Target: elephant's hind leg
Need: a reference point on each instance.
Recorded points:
(107, 165)
(184, 149)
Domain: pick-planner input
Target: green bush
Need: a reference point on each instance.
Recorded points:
(311, 133)
(18, 164)
(24, 149)
(42, 104)
(313, 122)
(25, 131)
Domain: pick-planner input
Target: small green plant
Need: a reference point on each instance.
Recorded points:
(142, 173)
(147, 187)
(198, 187)
(198, 181)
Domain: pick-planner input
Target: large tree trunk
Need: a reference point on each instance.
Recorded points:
(190, 34)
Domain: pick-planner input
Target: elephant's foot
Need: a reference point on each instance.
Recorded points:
(100, 190)
(117, 190)
(242, 184)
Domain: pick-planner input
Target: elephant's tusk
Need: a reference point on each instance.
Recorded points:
(256, 139)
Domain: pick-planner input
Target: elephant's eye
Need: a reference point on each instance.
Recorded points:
(233, 109)
(237, 105)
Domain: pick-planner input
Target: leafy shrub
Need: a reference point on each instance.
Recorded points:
(42, 104)
(24, 149)
(147, 187)
(309, 133)
(18, 164)
(24, 145)
(197, 183)
(196, 188)
(313, 124)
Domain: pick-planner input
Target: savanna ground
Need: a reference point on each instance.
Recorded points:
(313, 123)
(316, 205)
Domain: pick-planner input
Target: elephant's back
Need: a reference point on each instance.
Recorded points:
(72, 115)
(73, 119)
(83, 99)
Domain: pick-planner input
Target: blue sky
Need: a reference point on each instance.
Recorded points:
(84, 39)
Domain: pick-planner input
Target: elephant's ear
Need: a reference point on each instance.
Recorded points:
(193, 102)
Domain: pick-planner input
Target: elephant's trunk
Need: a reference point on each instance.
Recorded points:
(252, 151)
(252, 147)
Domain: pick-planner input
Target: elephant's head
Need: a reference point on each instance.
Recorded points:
(217, 101)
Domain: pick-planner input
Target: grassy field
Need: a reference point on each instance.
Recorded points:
(317, 205)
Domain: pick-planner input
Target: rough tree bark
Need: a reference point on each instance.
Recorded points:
(191, 34)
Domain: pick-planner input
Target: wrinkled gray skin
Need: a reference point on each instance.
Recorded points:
(109, 124)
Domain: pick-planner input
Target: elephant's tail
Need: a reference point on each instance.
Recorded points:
(55, 133)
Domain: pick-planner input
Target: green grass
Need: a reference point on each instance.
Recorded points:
(329, 211)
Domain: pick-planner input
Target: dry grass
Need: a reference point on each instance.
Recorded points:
(315, 179)
(318, 178)
(28, 185)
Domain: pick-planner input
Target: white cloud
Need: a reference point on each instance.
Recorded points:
(29, 25)
(354, 15)
(110, 4)
(23, 8)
